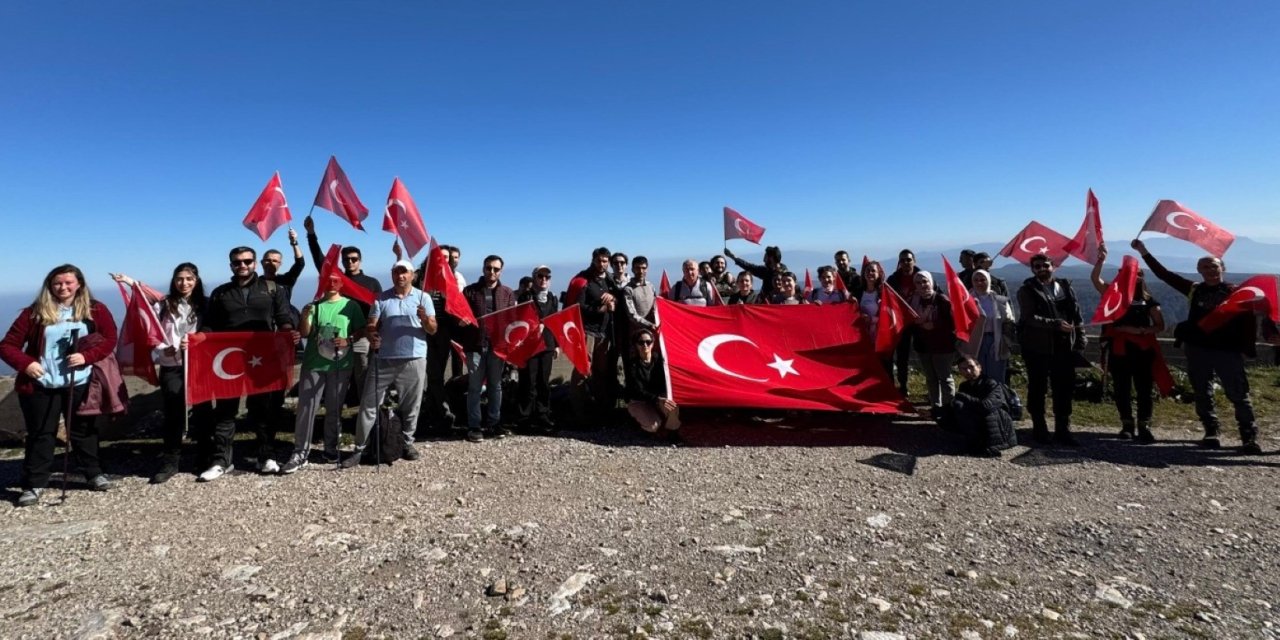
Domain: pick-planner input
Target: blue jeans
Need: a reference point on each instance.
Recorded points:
(486, 373)
(990, 360)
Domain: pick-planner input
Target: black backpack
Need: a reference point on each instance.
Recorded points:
(386, 441)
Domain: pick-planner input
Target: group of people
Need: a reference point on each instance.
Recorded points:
(402, 342)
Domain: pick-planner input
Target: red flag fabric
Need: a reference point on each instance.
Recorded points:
(808, 283)
(1035, 239)
(738, 226)
(238, 363)
(462, 355)
(440, 277)
(270, 211)
(892, 320)
(402, 218)
(337, 195)
(841, 287)
(775, 357)
(350, 288)
(566, 326)
(964, 309)
(1115, 300)
(664, 286)
(1177, 221)
(140, 332)
(576, 285)
(1084, 246)
(509, 329)
(1255, 294)
(865, 261)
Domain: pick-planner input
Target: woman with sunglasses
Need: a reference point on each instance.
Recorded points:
(649, 402)
(47, 346)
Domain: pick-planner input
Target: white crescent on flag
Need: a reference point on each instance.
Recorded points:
(506, 335)
(218, 369)
(707, 353)
(1172, 219)
(743, 229)
(1023, 246)
(1107, 309)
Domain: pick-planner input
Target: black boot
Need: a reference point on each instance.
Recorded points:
(1126, 429)
(168, 469)
(1249, 441)
(1144, 432)
(1040, 432)
(1062, 433)
(1210, 439)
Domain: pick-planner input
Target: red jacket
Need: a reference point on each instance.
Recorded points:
(24, 343)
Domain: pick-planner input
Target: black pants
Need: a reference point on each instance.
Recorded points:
(174, 400)
(217, 428)
(40, 412)
(1131, 373)
(902, 361)
(534, 391)
(439, 354)
(1050, 371)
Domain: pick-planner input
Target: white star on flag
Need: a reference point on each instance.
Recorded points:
(404, 224)
(1201, 227)
(255, 361)
(783, 366)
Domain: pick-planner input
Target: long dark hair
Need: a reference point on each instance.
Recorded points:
(197, 300)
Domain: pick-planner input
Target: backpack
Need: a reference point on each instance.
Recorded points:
(386, 442)
(1012, 403)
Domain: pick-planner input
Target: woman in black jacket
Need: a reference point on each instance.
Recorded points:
(648, 400)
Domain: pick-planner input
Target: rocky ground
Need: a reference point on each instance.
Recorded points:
(812, 527)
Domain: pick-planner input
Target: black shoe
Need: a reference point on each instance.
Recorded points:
(1210, 442)
(1126, 430)
(167, 470)
(1065, 439)
(100, 482)
(475, 435)
(1041, 435)
(1145, 436)
(410, 453)
(350, 461)
(1250, 448)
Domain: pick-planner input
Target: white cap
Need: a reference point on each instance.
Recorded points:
(405, 264)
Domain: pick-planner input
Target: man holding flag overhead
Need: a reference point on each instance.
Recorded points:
(1220, 351)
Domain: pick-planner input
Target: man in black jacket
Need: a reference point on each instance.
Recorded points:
(247, 303)
(1049, 321)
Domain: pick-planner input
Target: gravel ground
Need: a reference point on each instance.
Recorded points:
(812, 527)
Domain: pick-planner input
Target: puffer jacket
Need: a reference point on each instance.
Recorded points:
(980, 414)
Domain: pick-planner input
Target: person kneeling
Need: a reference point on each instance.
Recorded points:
(979, 412)
(647, 387)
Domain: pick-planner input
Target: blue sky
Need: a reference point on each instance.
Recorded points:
(136, 135)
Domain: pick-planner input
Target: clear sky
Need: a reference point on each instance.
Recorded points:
(135, 135)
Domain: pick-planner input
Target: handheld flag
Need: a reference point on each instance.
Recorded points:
(1035, 239)
(566, 326)
(270, 211)
(337, 195)
(964, 309)
(738, 226)
(402, 218)
(235, 364)
(1084, 246)
(1119, 294)
(1177, 221)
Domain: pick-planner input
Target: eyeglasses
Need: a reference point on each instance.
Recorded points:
(245, 262)
(351, 258)
(492, 269)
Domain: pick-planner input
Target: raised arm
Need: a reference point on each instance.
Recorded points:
(1179, 283)
(1096, 276)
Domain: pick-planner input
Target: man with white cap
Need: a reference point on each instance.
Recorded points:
(399, 322)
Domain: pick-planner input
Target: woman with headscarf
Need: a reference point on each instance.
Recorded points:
(991, 333)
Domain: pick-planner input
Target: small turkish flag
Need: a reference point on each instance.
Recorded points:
(1084, 246)
(808, 283)
(841, 286)
(566, 326)
(1119, 294)
(235, 364)
(892, 320)
(270, 211)
(1033, 240)
(509, 329)
(1255, 294)
(964, 309)
(337, 195)
(737, 226)
(664, 286)
(403, 219)
(440, 278)
(140, 332)
(1177, 221)
(350, 288)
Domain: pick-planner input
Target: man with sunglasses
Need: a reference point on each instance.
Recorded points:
(485, 296)
(1049, 322)
(353, 265)
(246, 303)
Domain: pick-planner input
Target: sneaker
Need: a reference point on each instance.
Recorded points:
(267, 465)
(410, 452)
(1250, 448)
(1210, 442)
(167, 470)
(29, 497)
(212, 473)
(475, 435)
(501, 432)
(296, 461)
(100, 482)
(332, 457)
(350, 461)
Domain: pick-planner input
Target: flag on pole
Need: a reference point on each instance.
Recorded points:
(964, 309)
(337, 195)
(664, 286)
(1255, 294)
(440, 278)
(737, 225)
(1172, 219)
(1035, 239)
(350, 288)
(566, 326)
(1119, 294)
(510, 329)
(892, 320)
(1084, 246)
(402, 218)
(270, 211)
(140, 333)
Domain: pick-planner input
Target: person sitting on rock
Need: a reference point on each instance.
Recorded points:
(979, 412)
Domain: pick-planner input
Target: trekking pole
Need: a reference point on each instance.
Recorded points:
(71, 392)
(377, 414)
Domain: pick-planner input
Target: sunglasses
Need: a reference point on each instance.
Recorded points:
(542, 276)
(492, 269)
(351, 258)
(644, 343)
(242, 262)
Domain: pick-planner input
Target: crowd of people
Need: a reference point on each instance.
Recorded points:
(356, 354)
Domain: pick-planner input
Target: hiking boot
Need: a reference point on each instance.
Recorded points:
(1126, 430)
(212, 473)
(410, 453)
(1065, 439)
(296, 462)
(1041, 435)
(168, 469)
(475, 435)
(1250, 448)
(1210, 442)
(350, 461)
(29, 497)
(267, 465)
(100, 482)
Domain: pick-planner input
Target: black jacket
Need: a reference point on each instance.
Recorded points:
(257, 306)
(1038, 317)
(544, 309)
(981, 416)
(647, 382)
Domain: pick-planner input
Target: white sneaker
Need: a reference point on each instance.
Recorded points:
(268, 466)
(212, 473)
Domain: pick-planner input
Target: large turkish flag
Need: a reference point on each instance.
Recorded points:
(1173, 219)
(510, 329)
(238, 363)
(1119, 294)
(566, 326)
(1036, 238)
(774, 357)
